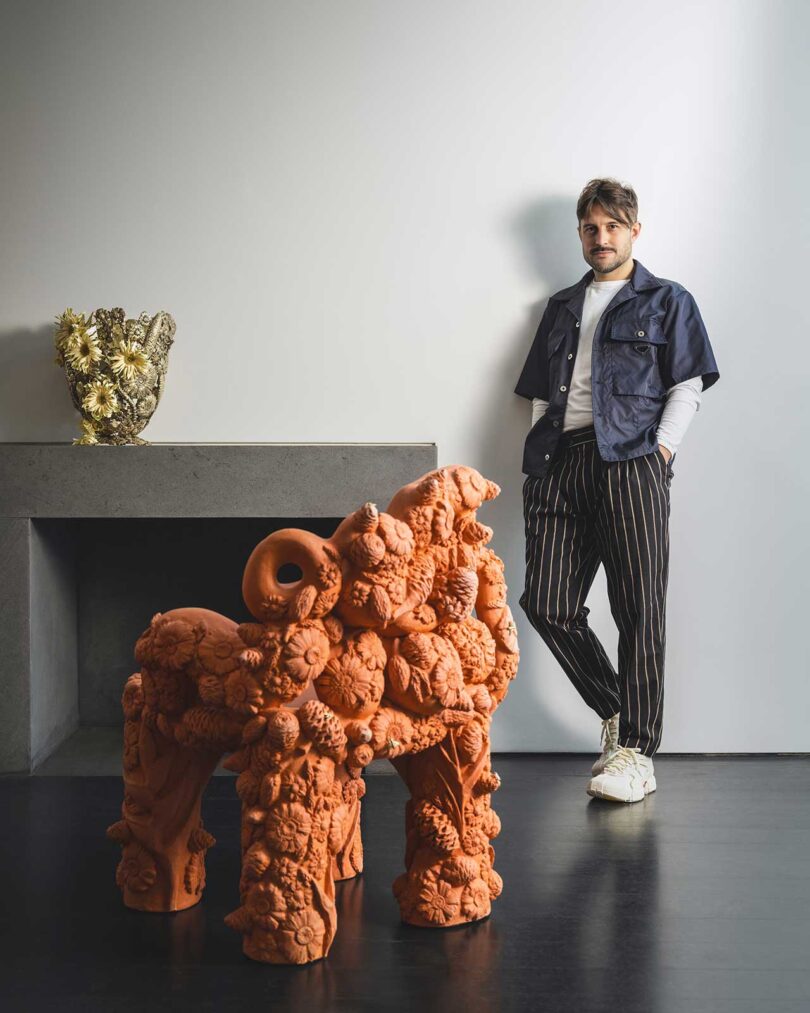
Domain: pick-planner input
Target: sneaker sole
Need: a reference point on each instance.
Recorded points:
(647, 788)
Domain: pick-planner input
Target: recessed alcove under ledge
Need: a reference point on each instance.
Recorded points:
(95, 540)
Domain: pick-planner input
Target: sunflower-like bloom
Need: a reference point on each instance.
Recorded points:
(82, 349)
(64, 328)
(129, 360)
(100, 400)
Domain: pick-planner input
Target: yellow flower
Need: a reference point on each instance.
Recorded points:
(64, 327)
(88, 437)
(82, 349)
(128, 360)
(100, 400)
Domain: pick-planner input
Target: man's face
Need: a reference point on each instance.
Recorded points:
(607, 243)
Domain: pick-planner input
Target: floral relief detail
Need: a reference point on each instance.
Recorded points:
(436, 902)
(306, 653)
(301, 937)
(349, 685)
(242, 694)
(475, 900)
(174, 644)
(288, 828)
(218, 654)
(266, 905)
(391, 731)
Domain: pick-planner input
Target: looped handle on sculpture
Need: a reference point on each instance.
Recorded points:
(265, 595)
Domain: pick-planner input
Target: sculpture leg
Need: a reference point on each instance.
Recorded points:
(162, 865)
(449, 878)
(294, 822)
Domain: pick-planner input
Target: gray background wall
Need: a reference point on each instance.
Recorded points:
(355, 212)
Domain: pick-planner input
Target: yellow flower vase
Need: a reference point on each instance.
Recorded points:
(115, 370)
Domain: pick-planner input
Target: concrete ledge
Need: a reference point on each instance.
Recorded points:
(205, 479)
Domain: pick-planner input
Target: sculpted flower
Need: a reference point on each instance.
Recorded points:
(266, 904)
(129, 360)
(301, 938)
(348, 685)
(136, 871)
(174, 644)
(446, 681)
(293, 786)
(218, 653)
(475, 900)
(391, 732)
(100, 400)
(396, 534)
(472, 485)
(436, 903)
(288, 827)
(242, 694)
(305, 654)
(285, 872)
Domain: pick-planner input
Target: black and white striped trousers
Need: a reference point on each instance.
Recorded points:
(583, 512)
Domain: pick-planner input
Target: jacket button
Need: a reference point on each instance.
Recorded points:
(563, 388)
(640, 334)
(570, 355)
(577, 323)
(548, 456)
(556, 422)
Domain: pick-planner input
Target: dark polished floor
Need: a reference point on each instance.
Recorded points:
(697, 899)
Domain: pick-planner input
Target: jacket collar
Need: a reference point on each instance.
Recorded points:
(640, 280)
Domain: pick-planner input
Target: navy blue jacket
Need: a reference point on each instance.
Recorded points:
(649, 338)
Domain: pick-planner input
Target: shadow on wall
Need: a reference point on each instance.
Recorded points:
(543, 235)
(35, 403)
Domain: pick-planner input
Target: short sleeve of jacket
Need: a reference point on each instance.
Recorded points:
(688, 351)
(533, 380)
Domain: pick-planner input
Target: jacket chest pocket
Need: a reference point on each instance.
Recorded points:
(634, 351)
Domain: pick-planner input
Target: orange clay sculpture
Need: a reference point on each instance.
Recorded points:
(374, 652)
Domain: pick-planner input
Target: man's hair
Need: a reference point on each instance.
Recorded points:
(617, 200)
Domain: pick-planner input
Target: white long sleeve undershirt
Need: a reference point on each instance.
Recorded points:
(683, 400)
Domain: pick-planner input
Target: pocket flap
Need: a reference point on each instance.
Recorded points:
(554, 341)
(649, 331)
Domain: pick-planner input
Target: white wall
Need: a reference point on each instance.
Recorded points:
(355, 212)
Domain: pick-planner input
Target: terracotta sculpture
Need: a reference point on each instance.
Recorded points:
(373, 652)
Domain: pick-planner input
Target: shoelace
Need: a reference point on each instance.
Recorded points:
(623, 758)
(610, 734)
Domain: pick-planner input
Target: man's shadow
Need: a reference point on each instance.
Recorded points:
(35, 405)
(543, 235)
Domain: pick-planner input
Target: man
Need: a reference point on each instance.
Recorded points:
(615, 375)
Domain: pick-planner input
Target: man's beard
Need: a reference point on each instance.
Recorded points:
(604, 265)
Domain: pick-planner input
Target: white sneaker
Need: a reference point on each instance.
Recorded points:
(626, 777)
(610, 743)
